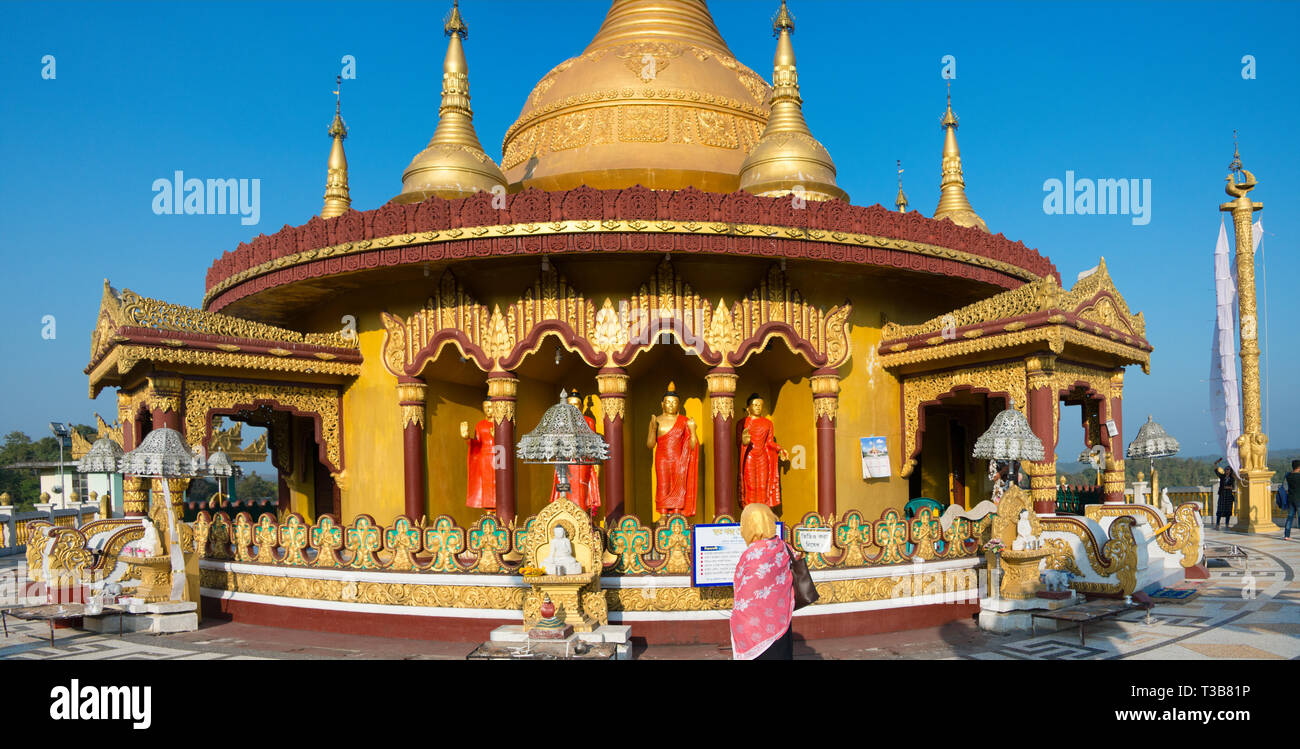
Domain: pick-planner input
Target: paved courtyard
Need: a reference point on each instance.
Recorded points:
(1218, 622)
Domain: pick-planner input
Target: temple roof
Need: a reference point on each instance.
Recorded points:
(132, 330)
(1092, 317)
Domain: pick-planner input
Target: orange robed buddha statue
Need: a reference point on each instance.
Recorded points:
(676, 448)
(481, 488)
(759, 453)
(584, 481)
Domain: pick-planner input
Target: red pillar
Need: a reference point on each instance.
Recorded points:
(722, 402)
(164, 401)
(612, 384)
(826, 389)
(502, 388)
(411, 397)
(1042, 419)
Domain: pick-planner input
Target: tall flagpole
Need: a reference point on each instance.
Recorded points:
(1255, 510)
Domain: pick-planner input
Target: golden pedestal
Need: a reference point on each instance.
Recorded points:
(154, 574)
(1020, 573)
(1255, 502)
(580, 595)
(566, 593)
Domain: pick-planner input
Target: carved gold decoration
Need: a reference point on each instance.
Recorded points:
(410, 396)
(610, 332)
(204, 396)
(664, 303)
(402, 541)
(629, 541)
(293, 535)
(613, 394)
(362, 538)
(327, 539)
(129, 309)
(891, 537)
(392, 594)
(266, 535)
(444, 540)
(673, 541)
(242, 538)
(490, 540)
(1093, 298)
(1005, 379)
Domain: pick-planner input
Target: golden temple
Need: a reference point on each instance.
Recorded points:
(662, 216)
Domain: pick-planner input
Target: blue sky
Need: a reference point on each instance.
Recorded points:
(243, 89)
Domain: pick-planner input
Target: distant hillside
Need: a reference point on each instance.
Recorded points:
(1194, 471)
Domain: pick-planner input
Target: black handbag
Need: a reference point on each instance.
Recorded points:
(805, 592)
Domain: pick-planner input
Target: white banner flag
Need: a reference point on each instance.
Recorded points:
(1225, 397)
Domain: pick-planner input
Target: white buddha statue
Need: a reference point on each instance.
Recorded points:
(1025, 538)
(561, 561)
(148, 546)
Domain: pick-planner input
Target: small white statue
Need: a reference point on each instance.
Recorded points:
(150, 545)
(1166, 505)
(1056, 579)
(1025, 538)
(561, 561)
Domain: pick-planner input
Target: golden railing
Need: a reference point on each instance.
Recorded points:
(491, 547)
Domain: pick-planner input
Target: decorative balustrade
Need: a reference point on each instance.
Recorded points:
(441, 546)
(15, 527)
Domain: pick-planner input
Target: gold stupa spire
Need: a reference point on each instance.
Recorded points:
(901, 201)
(337, 199)
(453, 165)
(788, 158)
(953, 204)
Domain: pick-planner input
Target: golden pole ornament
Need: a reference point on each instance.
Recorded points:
(1256, 511)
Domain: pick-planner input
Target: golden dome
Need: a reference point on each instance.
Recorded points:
(788, 158)
(453, 165)
(656, 99)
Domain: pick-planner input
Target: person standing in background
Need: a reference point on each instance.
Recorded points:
(1292, 481)
(1227, 493)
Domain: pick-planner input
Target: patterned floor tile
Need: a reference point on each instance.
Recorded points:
(1229, 651)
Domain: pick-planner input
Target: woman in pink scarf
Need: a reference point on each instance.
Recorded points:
(764, 591)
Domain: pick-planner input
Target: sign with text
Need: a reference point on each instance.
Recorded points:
(716, 550)
(816, 540)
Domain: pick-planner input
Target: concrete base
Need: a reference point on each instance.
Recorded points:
(510, 641)
(154, 618)
(1007, 615)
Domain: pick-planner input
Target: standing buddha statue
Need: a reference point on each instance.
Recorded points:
(760, 478)
(481, 486)
(673, 439)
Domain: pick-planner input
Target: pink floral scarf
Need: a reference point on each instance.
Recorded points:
(764, 598)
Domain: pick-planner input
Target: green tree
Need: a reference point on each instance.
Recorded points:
(254, 487)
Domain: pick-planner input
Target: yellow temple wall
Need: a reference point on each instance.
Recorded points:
(372, 431)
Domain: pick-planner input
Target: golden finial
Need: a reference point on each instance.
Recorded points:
(337, 198)
(788, 159)
(1235, 166)
(901, 201)
(454, 24)
(453, 165)
(782, 20)
(953, 204)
